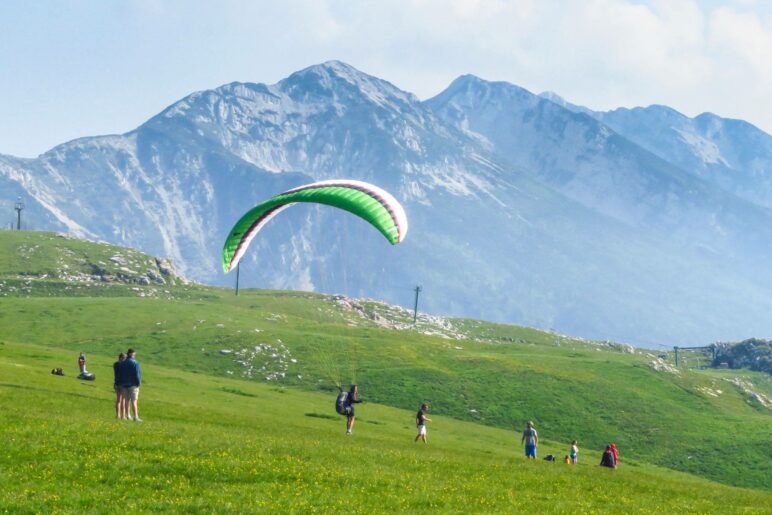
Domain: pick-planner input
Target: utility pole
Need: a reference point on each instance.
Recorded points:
(417, 290)
(676, 355)
(18, 207)
(238, 269)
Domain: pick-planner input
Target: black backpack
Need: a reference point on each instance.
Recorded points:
(550, 457)
(340, 403)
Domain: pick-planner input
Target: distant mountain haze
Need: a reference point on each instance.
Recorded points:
(637, 225)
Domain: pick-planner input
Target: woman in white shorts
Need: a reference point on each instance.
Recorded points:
(420, 421)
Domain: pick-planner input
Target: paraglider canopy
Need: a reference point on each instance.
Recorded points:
(365, 200)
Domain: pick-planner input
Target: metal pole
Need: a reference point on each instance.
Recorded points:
(415, 307)
(238, 270)
(18, 207)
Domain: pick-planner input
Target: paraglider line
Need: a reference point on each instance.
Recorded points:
(253, 229)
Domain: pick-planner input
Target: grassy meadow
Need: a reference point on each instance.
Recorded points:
(226, 445)
(238, 403)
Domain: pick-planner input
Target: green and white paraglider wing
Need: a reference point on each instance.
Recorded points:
(360, 198)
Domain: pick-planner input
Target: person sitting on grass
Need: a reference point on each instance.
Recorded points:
(531, 440)
(120, 400)
(351, 399)
(567, 459)
(574, 452)
(420, 421)
(607, 460)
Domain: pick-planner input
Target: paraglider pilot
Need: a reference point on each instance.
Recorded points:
(348, 407)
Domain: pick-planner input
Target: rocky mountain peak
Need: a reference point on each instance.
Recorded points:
(470, 91)
(340, 82)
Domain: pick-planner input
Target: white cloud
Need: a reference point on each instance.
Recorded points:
(743, 38)
(132, 59)
(603, 53)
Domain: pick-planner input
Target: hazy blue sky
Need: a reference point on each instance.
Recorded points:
(79, 68)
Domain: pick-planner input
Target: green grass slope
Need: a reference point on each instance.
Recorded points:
(224, 445)
(491, 374)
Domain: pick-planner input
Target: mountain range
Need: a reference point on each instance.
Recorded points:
(639, 225)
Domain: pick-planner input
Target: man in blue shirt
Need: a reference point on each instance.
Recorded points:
(130, 376)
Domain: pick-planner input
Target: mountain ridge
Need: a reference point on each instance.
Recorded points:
(545, 224)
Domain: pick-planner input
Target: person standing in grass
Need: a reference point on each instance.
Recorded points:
(615, 452)
(120, 401)
(531, 440)
(420, 421)
(574, 452)
(82, 363)
(351, 399)
(131, 378)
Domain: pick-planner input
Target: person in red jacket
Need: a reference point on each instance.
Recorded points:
(615, 452)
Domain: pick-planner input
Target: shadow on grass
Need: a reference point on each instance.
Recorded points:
(236, 391)
(8, 385)
(49, 391)
(320, 415)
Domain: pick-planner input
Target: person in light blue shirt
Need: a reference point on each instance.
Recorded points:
(531, 440)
